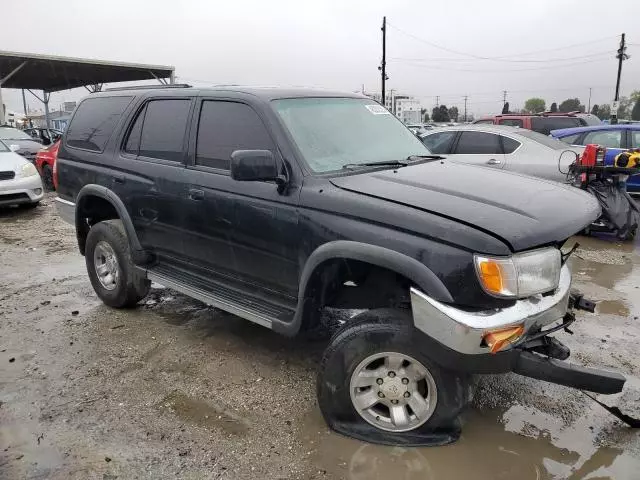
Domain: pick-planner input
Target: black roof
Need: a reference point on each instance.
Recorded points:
(264, 93)
(52, 73)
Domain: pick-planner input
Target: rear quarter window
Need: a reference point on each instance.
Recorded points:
(544, 125)
(94, 122)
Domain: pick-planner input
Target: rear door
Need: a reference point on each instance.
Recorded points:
(479, 148)
(151, 183)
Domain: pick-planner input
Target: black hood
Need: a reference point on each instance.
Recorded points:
(523, 211)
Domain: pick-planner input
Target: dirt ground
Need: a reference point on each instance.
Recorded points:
(174, 389)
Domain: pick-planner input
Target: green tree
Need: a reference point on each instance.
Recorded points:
(425, 117)
(535, 105)
(440, 114)
(505, 108)
(594, 110)
(624, 110)
(604, 112)
(571, 105)
(453, 114)
(554, 107)
(635, 95)
(635, 113)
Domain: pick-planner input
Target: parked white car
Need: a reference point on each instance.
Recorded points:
(20, 183)
(502, 147)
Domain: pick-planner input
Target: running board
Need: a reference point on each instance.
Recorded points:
(236, 302)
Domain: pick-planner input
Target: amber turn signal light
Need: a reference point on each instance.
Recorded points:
(500, 339)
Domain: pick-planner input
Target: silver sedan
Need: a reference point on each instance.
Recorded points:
(502, 147)
(20, 183)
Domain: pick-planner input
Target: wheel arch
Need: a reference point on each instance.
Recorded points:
(373, 255)
(96, 203)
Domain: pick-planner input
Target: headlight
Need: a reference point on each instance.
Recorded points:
(28, 170)
(521, 275)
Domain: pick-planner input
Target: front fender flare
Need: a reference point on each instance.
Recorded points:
(398, 262)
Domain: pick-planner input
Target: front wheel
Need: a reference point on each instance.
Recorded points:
(377, 383)
(111, 271)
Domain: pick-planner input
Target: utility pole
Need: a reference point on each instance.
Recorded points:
(504, 98)
(621, 56)
(589, 107)
(465, 108)
(437, 100)
(383, 67)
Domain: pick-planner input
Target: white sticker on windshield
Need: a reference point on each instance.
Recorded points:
(377, 109)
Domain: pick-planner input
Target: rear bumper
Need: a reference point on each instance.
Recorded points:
(66, 210)
(21, 190)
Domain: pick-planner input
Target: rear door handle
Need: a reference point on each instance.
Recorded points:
(493, 161)
(195, 194)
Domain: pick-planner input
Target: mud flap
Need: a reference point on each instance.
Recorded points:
(368, 433)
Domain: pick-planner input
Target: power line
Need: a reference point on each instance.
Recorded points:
(478, 57)
(433, 67)
(581, 57)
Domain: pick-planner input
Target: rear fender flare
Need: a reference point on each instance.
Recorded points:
(103, 192)
(398, 262)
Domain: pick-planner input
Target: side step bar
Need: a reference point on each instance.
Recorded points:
(224, 298)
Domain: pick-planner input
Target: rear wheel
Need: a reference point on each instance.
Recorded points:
(112, 273)
(375, 377)
(47, 177)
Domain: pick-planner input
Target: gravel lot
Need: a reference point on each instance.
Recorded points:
(174, 389)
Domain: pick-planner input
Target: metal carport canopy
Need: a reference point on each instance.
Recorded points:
(51, 73)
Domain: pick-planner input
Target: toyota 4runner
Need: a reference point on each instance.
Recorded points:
(274, 204)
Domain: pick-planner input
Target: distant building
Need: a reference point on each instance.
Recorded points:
(405, 107)
(58, 119)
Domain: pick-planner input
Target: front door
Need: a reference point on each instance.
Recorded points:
(246, 230)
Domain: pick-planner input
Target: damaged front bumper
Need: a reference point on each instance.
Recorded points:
(454, 338)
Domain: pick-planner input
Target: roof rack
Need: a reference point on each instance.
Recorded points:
(148, 87)
(570, 114)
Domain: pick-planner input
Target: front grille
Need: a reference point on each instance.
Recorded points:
(10, 175)
(12, 197)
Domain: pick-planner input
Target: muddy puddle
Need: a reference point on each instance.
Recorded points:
(521, 442)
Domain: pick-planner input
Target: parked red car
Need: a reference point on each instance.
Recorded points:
(542, 122)
(45, 163)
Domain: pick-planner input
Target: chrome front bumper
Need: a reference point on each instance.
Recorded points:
(463, 331)
(66, 210)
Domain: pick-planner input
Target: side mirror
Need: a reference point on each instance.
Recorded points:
(14, 148)
(256, 166)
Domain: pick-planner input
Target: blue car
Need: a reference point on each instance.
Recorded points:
(615, 138)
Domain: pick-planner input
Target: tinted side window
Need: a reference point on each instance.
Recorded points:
(94, 121)
(165, 123)
(478, 143)
(509, 145)
(606, 138)
(483, 122)
(513, 122)
(133, 141)
(225, 127)
(439, 143)
(546, 124)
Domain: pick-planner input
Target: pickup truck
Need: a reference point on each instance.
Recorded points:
(275, 204)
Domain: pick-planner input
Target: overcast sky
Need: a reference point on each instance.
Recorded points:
(337, 44)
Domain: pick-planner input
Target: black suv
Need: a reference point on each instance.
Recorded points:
(273, 204)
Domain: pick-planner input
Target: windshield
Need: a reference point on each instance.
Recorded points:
(3, 147)
(13, 134)
(333, 132)
(543, 139)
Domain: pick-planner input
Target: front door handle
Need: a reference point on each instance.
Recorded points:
(195, 194)
(493, 161)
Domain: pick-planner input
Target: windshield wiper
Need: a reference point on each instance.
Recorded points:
(384, 163)
(425, 157)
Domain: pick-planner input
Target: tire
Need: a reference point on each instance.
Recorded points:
(380, 332)
(47, 178)
(123, 286)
